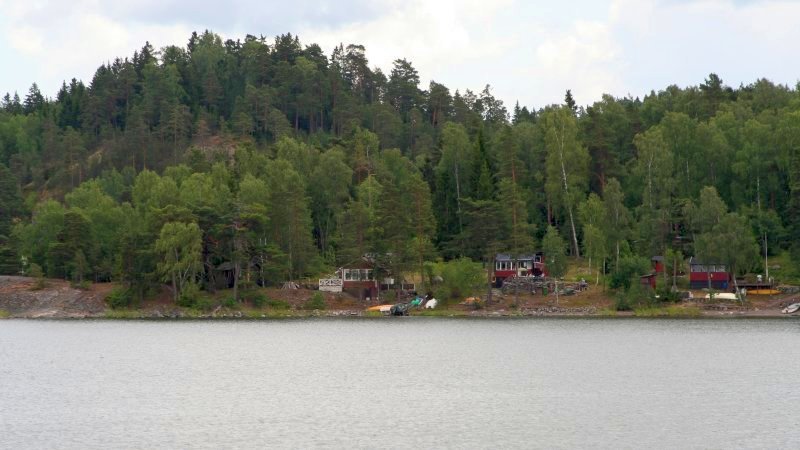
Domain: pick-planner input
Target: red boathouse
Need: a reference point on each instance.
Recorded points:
(701, 271)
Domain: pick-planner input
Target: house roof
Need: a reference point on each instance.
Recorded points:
(507, 257)
(657, 258)
(694, 260)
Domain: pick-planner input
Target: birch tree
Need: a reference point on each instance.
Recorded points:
(179, 245)
(567, 165)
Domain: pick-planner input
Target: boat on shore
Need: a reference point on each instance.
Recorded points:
(791, 309)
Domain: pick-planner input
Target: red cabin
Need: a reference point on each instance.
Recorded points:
(700, 272)
(648, 281)
(506, 266)
(658, 263)
(359, 280)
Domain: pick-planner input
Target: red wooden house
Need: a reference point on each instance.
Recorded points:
(648, 281)
(658, 263)
(359, 280)
(506, 266)
(700, 272)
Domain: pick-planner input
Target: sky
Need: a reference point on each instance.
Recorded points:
(530, 51)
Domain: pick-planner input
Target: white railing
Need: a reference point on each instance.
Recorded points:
(330, 284)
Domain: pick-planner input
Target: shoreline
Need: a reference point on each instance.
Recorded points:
(59, 300)
(249, 316)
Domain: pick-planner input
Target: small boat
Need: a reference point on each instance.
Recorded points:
(793, 308)
(381, 308)
(763, 291)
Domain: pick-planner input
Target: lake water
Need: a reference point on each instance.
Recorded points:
(410, 382)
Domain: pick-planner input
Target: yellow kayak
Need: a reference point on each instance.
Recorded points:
(763, 291)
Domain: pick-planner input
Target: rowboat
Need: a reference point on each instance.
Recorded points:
(793, 308)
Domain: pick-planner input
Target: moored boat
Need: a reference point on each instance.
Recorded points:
(793, 308)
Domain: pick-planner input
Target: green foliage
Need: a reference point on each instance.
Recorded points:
(279, 305)
(288, 160)
(460, 278)
(554, 249)
(629, 271)
(315, 302)
(35, 272)
(119, 298)
(632, 298)
(230, 303)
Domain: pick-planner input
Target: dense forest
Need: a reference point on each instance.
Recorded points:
(269, 160)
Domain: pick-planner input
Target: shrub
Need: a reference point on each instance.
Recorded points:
(203, 303)
(317, 301)
(460, 278)
(189, 296)
(119, 298)
(630, 268)
(258, 299)
(633, 298)
(667, 295)
(230, 303)
(278, 304)
(38, 275)
(621, 303)
(83, 285)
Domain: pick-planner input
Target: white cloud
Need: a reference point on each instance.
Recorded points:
(528, 50)
(433, 35)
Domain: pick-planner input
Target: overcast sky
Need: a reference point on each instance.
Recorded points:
(529, 51)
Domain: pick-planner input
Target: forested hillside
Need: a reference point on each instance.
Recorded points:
(272, 161)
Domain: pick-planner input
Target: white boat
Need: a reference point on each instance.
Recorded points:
(793, 308)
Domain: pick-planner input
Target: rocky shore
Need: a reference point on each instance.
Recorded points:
(19, 298)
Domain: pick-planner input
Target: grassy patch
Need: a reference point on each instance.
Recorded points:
(788, 273)
(122, 314)
(669, 311)
(607, 312)
(4, 314)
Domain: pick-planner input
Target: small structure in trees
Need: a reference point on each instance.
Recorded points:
(658, 263)
(648, 281)
(702, 274)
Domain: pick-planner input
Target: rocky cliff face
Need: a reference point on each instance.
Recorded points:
(56, 300)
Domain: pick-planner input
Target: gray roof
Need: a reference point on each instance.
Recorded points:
(507, 257)
(695, 260)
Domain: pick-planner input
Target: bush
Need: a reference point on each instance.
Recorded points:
(667, 295)
(189, 296)
(317, 301)
(38, 275)
(278, 304)
(258, 299)
(230, 303)
(203, 303)
(633, 298)
(461, 278)
(621, 303)
(630, 269)
(119, 298)
(84, 285)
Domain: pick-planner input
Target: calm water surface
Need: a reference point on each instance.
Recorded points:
(421, 383)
